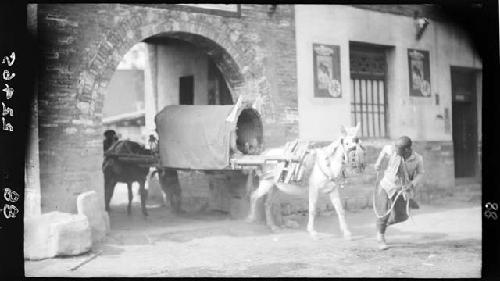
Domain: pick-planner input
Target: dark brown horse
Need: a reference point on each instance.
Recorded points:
(116, 171)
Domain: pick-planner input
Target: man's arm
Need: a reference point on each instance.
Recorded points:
(419, 172)
(385, 151)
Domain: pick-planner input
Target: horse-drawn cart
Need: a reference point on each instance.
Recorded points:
(204, 138)
(190, 137)
(226, 137)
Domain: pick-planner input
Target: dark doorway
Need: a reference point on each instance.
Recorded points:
(463, 84)
(186, 90)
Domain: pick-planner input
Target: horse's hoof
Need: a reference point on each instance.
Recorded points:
(347, 235)
(250, 219)
(145, 213)
(292, 224)
(274, 228)
(179, 212)
(129, 211)
(314, 235)
(382, 246)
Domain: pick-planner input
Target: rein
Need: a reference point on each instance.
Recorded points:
(399, 193)
(334, 179)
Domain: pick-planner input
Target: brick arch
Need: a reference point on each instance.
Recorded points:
(236, 61)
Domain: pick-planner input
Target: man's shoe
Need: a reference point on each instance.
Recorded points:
(381, 242)
(380, 237)
(382, 246)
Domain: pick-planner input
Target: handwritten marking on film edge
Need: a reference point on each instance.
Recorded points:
(9, 92)
(10, 210)
(9, 59)
(10, 195)
(491, 210)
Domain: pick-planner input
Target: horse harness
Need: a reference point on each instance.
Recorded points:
(338, 180)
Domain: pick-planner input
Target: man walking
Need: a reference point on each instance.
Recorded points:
(394, 192)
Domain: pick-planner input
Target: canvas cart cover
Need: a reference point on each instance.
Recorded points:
(194, 136)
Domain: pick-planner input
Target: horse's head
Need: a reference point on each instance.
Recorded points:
(352, 148)
(110, 138)
(344, 154)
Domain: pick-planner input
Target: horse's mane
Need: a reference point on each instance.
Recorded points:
(127, 147)
(331, 149)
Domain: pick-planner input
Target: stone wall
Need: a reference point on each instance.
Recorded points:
(81, 45)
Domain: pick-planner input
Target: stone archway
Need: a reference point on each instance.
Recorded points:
(236, 63)
(71, 133)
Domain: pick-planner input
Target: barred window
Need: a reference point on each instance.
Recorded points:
(368, 90)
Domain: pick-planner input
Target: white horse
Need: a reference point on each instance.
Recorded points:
(329, 164)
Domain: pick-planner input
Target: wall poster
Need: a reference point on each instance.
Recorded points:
(418, 62)
(326, 60)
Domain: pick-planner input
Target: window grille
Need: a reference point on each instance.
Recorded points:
(368, 91)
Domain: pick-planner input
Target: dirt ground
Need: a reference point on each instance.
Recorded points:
(438, 241)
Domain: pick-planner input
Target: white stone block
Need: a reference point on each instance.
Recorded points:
(72, 235)
(38, 240)
(88, 205)
(56, 233)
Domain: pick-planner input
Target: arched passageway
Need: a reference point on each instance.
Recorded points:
(72, 90)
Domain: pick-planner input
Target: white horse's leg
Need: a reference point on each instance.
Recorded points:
(264, 188)
(313, 200)
(337, 204)
(268, 208)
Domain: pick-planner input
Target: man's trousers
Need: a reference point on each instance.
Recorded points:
(383, 203)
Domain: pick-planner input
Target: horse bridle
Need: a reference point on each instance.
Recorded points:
(345, 161)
